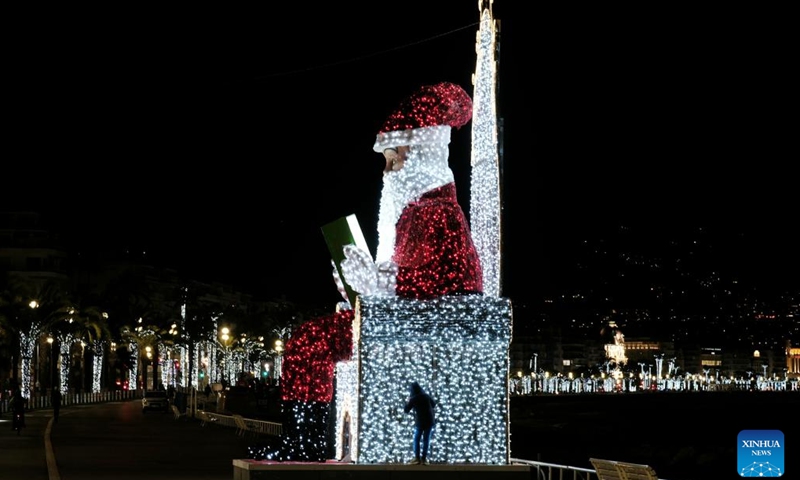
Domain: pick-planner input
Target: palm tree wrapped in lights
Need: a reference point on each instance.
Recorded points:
(237, 354)
(166, 346)
(277, 350)
(86, 325)
(249, 351)
(27, 310)
(65, 341)
(138, 337)
(238, 357)
(172, 345)
(133, 371)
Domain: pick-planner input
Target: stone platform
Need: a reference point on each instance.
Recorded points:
(245, 469)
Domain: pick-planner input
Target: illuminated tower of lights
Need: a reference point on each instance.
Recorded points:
(485, 208)
(455, 347)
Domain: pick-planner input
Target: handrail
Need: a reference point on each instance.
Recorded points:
(260, 427)
(38, 402)
(554, 471)
(546, 471)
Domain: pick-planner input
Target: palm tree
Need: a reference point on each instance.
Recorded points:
(199, 332)
(147, 337)
(87, 325)
(28, 309)
(128, 298)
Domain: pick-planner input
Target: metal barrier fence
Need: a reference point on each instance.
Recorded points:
(258, 427)
(552, 471)
(38, 402)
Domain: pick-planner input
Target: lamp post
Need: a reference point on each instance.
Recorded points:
(150, 374)
(173, 330)
(263, 366)
(278, 359)
(244, 347)
(225, 339)
(50, 341)
(112, 354)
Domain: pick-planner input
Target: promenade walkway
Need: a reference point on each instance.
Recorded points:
(46, 451)
(23, 456)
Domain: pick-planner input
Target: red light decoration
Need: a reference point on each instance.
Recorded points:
(311, 355)
(441, 104)
(434, 250)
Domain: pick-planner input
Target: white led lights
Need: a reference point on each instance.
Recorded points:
(456, 347)
(485, 188)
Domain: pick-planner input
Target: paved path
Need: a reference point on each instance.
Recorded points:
(115, 440)
(22, 457)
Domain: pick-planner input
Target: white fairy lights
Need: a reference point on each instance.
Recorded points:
(485, 188)
(426, 168)
(98, 350)
(456, 347)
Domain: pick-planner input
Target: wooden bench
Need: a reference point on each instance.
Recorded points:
(615, 470)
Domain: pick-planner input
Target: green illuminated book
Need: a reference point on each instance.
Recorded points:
(341, 232)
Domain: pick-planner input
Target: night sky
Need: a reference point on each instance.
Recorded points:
(220, 143)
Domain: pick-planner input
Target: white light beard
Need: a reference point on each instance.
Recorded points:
(424, 169)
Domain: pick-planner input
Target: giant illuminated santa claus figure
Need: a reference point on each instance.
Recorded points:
(425, 250)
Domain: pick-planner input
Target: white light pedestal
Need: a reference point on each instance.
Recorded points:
(457, 349)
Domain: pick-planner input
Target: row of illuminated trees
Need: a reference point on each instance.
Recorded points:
(137, 333)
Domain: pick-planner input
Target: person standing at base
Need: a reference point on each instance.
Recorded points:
(423, 406)
(18, 411)
(55, 400)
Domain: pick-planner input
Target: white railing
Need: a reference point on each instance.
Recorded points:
(552, 471)
(37, 402)
(260, 427)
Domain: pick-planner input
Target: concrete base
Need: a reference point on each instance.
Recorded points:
(263, 469)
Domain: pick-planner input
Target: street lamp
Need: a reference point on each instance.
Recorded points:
(225, 340)
(168, 355)
(278, 349)
(50, 341)
(149, 351)
(112, 354)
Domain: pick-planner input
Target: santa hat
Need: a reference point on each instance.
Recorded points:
(426, 117)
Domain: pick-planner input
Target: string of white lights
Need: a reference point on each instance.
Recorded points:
(26, 344)
(485, 206)
(65, 342)
(98, 351)
(133, 372)
(456, 346)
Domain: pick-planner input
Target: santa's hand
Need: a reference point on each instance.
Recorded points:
(387, 278)
(359, 270)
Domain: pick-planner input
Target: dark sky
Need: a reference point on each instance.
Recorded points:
(221, 142)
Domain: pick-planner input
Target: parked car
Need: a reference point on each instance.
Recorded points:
(155, 400)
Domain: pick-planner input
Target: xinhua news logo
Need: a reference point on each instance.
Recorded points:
(760, 453)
